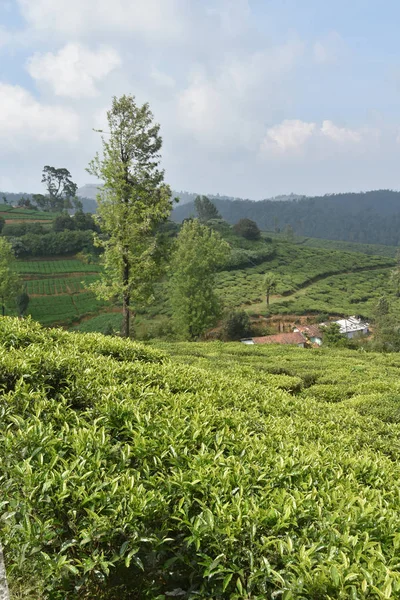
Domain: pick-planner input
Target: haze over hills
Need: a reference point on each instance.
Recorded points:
(89, 190)
(369, 217)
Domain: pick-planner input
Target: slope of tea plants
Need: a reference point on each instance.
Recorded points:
(340, 245)
(196, 470)
(58, 289)
(297, 268)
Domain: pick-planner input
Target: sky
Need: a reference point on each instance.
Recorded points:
(255, 98)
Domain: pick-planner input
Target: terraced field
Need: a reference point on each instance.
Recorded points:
(58, 290)
(11, 214)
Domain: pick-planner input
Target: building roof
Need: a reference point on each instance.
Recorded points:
(351, 324)
(281, 338)
(309, 330)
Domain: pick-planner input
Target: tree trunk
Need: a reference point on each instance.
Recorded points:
(267, 298)
(126, 301)
(4, 593)
(126, 316)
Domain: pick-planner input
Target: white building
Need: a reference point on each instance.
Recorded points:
(352, 326)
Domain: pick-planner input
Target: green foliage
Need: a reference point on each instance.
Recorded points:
(382, 307)
(332, 335)
(270, 283)
(9, 280)
(55, 267)
(52, 244)
(214, 472)
(205, 209)
(80, 221)
(60, 188)
(132, 203)
(247, 229)
(236, 325)
(198, 253)
(371, 217)
(23, 228)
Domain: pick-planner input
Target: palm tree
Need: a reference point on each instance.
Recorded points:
(270, 284)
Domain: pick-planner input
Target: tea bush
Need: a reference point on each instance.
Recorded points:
(195, 470)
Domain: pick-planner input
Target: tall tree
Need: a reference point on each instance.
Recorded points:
(132, 203)
(270, 284)
(205, 209)
(198, 253)
(9, 279)
(60, 187)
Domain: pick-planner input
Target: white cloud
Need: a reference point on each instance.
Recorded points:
(74, 70)
(289, 135)
(224, 106)
(162, 79)
(329, 49)
(23, 120)
(5, 37)
(232, 14)
(155, 18)
(340, 134)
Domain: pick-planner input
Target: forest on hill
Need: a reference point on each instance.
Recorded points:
(371, 217)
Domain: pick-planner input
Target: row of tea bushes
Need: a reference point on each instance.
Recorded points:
(128, 474)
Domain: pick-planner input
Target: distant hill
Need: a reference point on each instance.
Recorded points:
(90, 190)
(369, 217)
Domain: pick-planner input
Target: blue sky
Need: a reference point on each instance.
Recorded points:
(255, 97)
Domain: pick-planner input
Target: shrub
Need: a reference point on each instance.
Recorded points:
(248, 229)
(236, 325)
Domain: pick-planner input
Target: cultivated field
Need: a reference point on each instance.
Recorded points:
(310, 280)
(22, 214)
(216, 470)
(58, 290)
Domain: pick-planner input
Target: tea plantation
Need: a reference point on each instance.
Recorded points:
(196, 470)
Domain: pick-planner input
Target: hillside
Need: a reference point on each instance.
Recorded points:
(314, 276)
(311, 281)
(370, 217)
(199, 470)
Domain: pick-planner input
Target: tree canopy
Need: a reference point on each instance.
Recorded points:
(132, 203)
(199, 252)
(270, 283)
(60, 188)
(247, 229)
(9, 279)
(205, 209)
